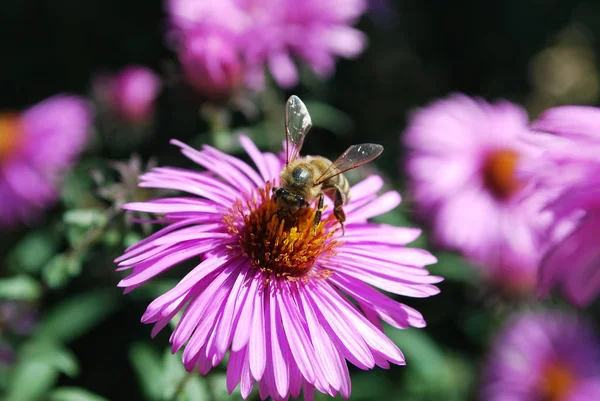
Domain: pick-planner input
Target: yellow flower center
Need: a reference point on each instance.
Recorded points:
(278, 243)
(499, 173)
(557, 382)
(10, 129)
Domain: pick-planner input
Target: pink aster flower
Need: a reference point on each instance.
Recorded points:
(462, 170)
(271, 33)
(571, 165)
(267, 291)
(36, 147)
(131, 94)
(545, 356)
(211, 63)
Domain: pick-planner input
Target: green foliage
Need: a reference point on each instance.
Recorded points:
(34, 251)
(73, 394)
(453, 267)
(165, 379)
(39, 364)
(147, 364)
(431, 372)
(77, 314)
(20, 287)
(85, 218)
(62, 268)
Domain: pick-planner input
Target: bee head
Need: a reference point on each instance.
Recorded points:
(290, 199)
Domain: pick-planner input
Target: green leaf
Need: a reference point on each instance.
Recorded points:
(422, 354)
(218, 385)
(112, 238)
(73, 394)
(77, 314)
(155, 288)
(85, 218)
(174, 372)
(147, 365)
(30, 380)
(34, 251)
(366, 386)
(196, 389)
(132, 238)
(52, 354)
(453, 267)
(61, 269)
(20, 287)
(430, 373)
(80, 223)
(37, 369)
(77, 186)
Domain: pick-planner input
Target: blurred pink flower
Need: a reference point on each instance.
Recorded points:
(271, 33)
(462, 168)
(545, 356)
(266, 288)
(211, 63)
(36, 147)
(131, 94)
(571, 165)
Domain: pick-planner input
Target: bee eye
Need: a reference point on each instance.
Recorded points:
(300, 174)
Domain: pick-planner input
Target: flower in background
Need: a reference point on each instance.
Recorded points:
(131, 94)
(547, 356)
(462, 168)
(36, 147)
(211, 63)
(17, 318)
(266, 288)
(248, 36)
(571, 166)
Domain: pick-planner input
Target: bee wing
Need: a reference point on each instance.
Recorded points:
(297, 125)
(354, 156)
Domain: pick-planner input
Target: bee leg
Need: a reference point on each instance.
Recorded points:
(338, 212)
(318, 214)
(275, 213)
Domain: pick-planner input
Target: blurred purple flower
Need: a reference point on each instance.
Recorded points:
(16, 318)
(462, 170)
(272, 32)
(545, 356)
(131, 94)
(36, 146)
(211, 63)
(7, 354)
(571, 165)
(267, 289)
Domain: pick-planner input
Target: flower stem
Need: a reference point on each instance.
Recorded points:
(218, 121)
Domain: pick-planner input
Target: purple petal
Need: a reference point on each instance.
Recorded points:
(257, 342)
(300, 345)
(381, 205)
(280, 366)
(345, 338)
(256, 156)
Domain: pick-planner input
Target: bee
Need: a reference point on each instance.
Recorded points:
(304, 179)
